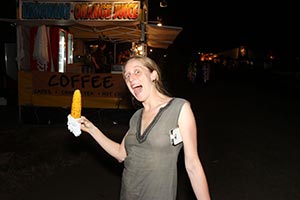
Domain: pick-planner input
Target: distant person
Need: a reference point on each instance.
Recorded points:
(192, 71)
(206, 71)
(110, 58)
(148, 150)
(124, 56)
(99, 59)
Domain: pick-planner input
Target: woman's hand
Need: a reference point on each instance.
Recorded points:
(86, 125)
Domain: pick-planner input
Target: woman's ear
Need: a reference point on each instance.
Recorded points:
(153, 76)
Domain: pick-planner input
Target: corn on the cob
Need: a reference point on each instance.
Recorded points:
(76, 104)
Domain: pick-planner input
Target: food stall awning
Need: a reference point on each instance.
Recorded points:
(161, 36)
(114, 34)
(155, 36)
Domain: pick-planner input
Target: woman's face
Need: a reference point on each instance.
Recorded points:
(139, 80)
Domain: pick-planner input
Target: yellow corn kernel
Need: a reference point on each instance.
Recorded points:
(76, 104)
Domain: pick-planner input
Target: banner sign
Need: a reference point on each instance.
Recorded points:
(106, 11)
(90, 85)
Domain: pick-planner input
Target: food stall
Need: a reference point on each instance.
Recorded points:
(51, 33)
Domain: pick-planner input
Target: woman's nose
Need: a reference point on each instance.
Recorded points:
(131, 77)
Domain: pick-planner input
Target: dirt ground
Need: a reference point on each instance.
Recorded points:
(248, 127)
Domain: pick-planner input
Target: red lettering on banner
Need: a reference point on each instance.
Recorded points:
(125, 11)
(106, 11)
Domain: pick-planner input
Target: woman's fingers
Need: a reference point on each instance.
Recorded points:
(85, 123)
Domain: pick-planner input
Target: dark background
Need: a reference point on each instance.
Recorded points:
(216, 26)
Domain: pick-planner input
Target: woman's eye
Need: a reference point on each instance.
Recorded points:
(126, 76)
(136, 71)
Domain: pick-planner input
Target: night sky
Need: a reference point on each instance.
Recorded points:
(221, 25)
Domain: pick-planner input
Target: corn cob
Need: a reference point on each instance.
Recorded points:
(76, 104)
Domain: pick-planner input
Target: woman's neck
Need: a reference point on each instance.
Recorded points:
(156, 101)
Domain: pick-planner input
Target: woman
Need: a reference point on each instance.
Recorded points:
(150, 158)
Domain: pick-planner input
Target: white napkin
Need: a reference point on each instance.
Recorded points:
(74, 126)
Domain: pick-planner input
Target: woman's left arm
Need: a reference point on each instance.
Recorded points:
(188, 131)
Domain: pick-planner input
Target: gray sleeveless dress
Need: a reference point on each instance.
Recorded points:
(150, 168)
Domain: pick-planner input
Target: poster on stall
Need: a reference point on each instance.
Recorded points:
(54, 89)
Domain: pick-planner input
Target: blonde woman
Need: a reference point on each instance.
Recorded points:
(148, 151)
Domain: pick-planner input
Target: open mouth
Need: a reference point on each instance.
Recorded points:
(137, 89)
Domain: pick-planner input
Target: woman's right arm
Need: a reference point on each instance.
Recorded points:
(116, 150)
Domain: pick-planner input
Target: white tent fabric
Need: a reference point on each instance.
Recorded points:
(114, 34)
(161, 36)
(40, 51)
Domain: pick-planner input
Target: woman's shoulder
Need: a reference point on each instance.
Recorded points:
(180, 100)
